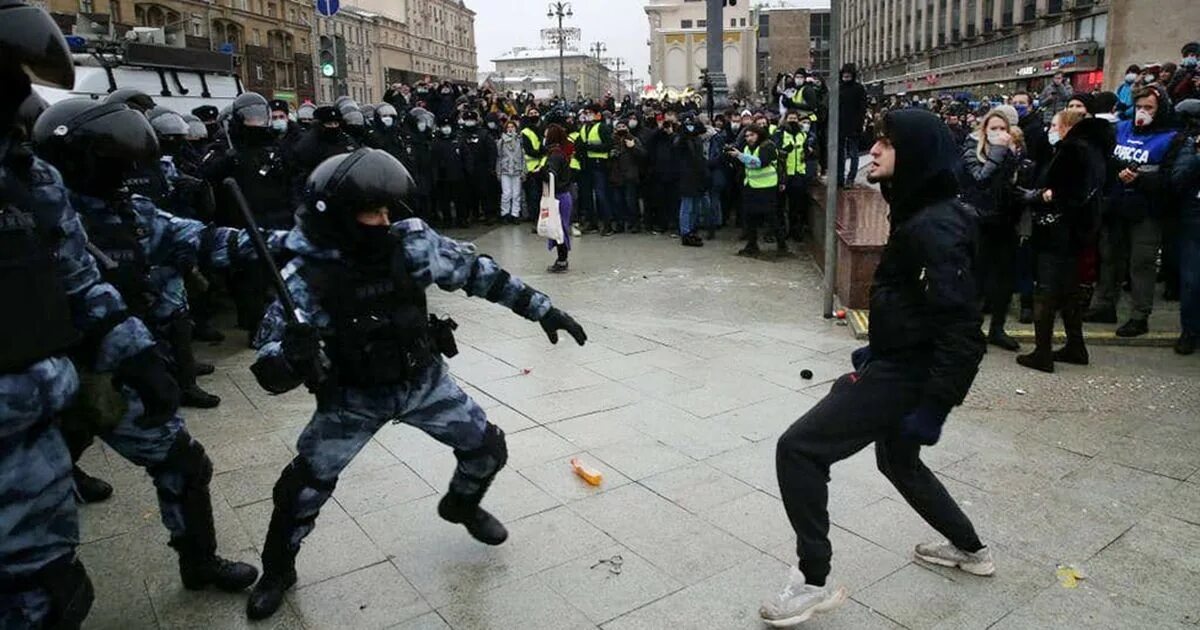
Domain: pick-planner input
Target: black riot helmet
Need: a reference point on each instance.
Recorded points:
(345, 185)
(135, 99)
(167, 122)
(196, 129)
(94, 145)
(249, 120)
(28, 113)
(32, 43)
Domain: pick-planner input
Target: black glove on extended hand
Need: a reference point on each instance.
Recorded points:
(556, 320)
(147, 374)
(301, 347)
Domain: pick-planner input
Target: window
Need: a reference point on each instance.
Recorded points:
(86, 6)
(685, 24)
(197, 29)
(258, 74)
(257, 38)
(733, 21)
(743, 22)
(701, 23)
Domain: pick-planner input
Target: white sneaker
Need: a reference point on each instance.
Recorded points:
(798, 601)
(947, 555)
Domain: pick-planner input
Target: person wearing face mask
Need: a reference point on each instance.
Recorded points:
(719, 172)
(662, 200)
(1183, 85)
(595, 143)
(1031, 123)
(209, 115)
(795, 146)
(478, 153)
(1185, 182)
(510, 169)
(625, 163)
(304, 115)
(760, 190)
(1065, 209)
(535, 154)
(449, 176)
(366, 344)
(852, 109)
(986, 182)
(419, 128)
(442, 101)
(266, 178)
(1138, 204)
(385, 131)
(693, 179)
(1125, 92)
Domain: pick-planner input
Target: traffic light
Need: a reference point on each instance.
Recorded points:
(327, 57)
(729, 3)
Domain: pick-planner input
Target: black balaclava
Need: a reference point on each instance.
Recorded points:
(16, 89)
(927, 162)
(374, 244)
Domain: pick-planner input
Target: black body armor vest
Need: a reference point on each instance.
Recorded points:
(126, 267)
(36, 317)
(380, 323)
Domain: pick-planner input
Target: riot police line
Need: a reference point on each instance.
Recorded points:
(114, 228)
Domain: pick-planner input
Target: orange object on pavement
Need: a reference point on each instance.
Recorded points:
(593, 477)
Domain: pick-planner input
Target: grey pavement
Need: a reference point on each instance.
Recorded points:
(691, 372)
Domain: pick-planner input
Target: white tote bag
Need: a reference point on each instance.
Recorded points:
(549, 221)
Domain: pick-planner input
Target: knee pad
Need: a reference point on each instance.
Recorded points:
(488, 458)
(297, 476)
(187, 456)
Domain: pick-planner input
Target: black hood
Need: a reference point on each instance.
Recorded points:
(927, 162)
(851, 69)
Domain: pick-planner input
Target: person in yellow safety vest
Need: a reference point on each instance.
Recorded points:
(795, 148)
(573, 138)
(595, 142)
(760, 190)
(535, 156)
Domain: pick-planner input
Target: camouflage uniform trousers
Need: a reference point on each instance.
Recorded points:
(347, 419)
(39, 522)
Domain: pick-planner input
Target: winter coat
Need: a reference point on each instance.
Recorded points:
(987, 185)
(558, 162)
(1077, 174)
(663, 164)
(510, 156)
(1185, 182)
(693, 164)
(852, 106)
(924, 313)
(626, 162)
(447, 162)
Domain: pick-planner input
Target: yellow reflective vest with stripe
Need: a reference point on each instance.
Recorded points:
(765, 176)
(591, 136)
(533, 163)
(794, 144)
(574, 138)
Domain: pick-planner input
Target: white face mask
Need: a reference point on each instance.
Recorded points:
(422, 126)
(387, 121)
(469, 123)
(633, 124)
(446, 130)
(279, 125)
(1052, 137)
(1131, 77)
(993, 137)
(1142, 118)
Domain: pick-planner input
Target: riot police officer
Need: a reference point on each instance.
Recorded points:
(145, 253)
(323, 140)
(385, 132)
(419, 162)
(57, 304)
(478, 151)
(380, 360)
(257, 163)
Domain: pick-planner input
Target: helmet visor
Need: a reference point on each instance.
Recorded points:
(122, 134)
(170, 124)
(30, 37)
(255, 114)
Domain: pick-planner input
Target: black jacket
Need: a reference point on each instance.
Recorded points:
(852, 104)
(923, 298)
(987, 185)
(693, 164)
(1076, 173)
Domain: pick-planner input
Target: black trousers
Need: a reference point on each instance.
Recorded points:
(997, 263)
(861, 408)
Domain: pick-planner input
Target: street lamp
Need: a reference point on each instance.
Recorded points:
(560, 10)
(618, 62)
(597, 49)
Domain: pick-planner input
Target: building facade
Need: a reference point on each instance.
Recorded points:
(678, 44)
(583, 74)
(980, 47)
(423, 38)
(790, 38)
(270, 40)
(354, 35)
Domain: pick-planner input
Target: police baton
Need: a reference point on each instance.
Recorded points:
(294, 315)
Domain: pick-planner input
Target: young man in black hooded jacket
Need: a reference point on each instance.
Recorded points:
(926, 345)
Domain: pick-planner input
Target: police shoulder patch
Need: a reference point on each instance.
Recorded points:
(410, 225)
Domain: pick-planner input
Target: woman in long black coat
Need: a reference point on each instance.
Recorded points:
(1065, 210)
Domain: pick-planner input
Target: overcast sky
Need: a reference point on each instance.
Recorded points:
(621, 24)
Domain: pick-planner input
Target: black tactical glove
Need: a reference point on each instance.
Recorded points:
(147, 374)
(556, 320)
(301, 347)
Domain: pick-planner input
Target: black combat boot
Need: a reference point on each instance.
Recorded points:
(465, 510)
(205, 332)
(89, 489)
(199, 564)
(279, 570)
(191, 395)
